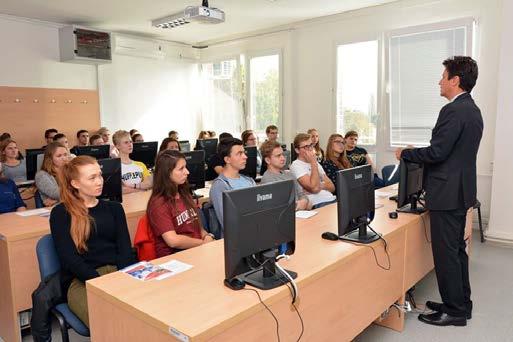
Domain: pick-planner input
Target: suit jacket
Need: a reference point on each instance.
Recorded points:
(450, 160)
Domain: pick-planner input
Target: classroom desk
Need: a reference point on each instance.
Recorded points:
(342, 290)
(18, 261)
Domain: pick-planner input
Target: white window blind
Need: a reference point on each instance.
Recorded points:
(415, 62)
(221, 101)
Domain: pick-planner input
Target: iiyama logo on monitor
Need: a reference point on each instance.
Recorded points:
(358, 176)
(188, 157)
(264, 197)
(94, 149)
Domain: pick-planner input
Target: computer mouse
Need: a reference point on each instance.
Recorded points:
(392, 214)
(330, 236)
(234, 283)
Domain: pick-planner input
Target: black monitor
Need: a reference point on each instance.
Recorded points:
(145, 152)
(410, 187)
(31, 161)
(98, 151)
(196, 165)
(293, 153)
(207, 145)
(257, 220)
(111, 172)
(251, 163)
(355, 201)
(185, 145)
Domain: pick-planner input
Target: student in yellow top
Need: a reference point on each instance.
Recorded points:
(134, 175)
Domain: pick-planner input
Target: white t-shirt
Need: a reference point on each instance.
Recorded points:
(133, 173)
(299, 169)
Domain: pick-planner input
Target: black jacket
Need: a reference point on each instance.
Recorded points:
(48, 294)
(450, 160)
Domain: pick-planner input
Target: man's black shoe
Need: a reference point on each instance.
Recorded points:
(442, 319)
(435, 306)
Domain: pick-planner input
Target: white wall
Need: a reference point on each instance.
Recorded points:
(154, 96)
(30, 57)
(502, 186)
(309, 51)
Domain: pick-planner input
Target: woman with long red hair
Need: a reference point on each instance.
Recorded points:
(91, 236)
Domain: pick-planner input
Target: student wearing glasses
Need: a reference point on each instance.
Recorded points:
(336, 158)
(310, 174)
(249, 139)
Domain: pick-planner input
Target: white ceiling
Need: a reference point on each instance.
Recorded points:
(134, 16)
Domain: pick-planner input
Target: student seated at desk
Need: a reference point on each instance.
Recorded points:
(13, 162)
(231, 151)
(55, 157)
(95, 140)
(249, 139)
(61, 138)
(336, 158)
(315, 141)
(90, 235)
(215, 163)
(104, 132)
(49, 134)
(10, 199)
(309, 173)
(172, 214)
(169, 144)
(275, 159)
(134, 175)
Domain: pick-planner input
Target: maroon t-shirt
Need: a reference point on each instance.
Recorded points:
(164, 218)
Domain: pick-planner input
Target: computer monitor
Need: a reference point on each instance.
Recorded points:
(98, 152)
(257, 220)
(355, 201)
(145, 152)
(410, 187)
(185, 145)
(293, 154)
(31, 156)
(251, 163)
(111, 172)
(196, 165)
(207, 145)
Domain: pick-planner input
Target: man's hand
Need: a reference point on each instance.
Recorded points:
(398, 153)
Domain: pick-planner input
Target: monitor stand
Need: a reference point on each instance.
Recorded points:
(360, 233)
(266, 277)
(412, 207)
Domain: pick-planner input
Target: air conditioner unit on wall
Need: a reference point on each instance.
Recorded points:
(137, 47)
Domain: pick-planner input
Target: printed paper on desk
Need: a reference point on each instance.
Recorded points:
(147, 271)
(34, 212)
(305, 213)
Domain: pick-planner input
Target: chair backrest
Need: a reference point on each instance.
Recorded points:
(47, 256)
(390, 174)
(38, 200)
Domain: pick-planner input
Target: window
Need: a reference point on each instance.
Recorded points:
(264, 92)
(415, 68)
(357, 85)
(221, 100)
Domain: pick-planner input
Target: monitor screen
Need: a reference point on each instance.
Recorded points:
(207, 145)
(355, 202)
(98, 152)
(31, 160)
(185, 145)
(145, 152)
(410, 186)
(251, 163)
(257, 220)
(111, 172)
(196, 165)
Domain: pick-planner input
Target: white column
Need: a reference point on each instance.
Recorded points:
(501, 211)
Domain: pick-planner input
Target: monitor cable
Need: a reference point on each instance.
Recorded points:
(386, 268)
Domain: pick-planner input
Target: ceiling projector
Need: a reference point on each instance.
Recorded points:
(203, 14)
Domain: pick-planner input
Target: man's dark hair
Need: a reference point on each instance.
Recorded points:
(269, 128)
(224, 148)
(58, 136)
(82, 131)
(465, 68)
(5, 136)
(50, 131)
(225, 135)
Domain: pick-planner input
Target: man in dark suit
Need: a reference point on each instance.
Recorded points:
(450, 185)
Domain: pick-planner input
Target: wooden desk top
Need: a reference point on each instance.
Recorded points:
(197, 303)
(14, 227)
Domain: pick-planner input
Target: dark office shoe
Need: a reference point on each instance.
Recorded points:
(443, 319)
(438, 306)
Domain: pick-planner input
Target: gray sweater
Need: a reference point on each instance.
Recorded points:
(47, 185)
(269, 177)
(16, 173)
